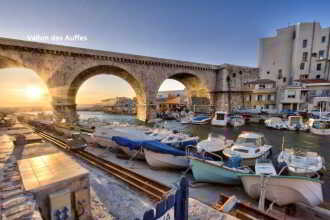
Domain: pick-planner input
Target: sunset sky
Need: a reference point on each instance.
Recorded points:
(213, 32)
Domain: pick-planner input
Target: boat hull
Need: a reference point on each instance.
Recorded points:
(165, 161)
(206, 172)
(105, 142)
(320, 131)
(134, 154)
(221, 123)
(285, 190)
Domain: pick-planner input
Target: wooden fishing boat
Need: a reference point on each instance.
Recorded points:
(216, 172)
(165, 161)
(282, 190)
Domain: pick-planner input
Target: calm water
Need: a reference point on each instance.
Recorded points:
(293, 139)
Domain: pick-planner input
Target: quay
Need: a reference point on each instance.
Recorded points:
(107, 185)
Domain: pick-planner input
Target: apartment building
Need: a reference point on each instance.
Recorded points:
(261, 94)
(297, 58)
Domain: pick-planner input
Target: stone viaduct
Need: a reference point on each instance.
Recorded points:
(64, 69)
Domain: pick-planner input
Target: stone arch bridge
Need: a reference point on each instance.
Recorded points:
(64, 69)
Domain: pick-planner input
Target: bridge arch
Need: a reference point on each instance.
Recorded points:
(68, 111)
(197, 87)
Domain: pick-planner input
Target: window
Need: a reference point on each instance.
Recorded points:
(319, 66)
(268, 72)
(269, 97)
(240, 72)
(259, 97)
(220, 117)
(234, 75)
(280, 75)
(291, 96)
(321, 53)
(304, 44)
(305, 56)
(323, 39)
(284, 79)
(318, 76)
(302, 66)
(262, 86)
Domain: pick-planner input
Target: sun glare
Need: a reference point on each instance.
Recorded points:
(33, 92)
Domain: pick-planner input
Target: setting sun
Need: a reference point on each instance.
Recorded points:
(33, 92)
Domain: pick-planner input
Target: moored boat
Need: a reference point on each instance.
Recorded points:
(163, 156)
(320, 126)
(301, 163)
(220, 119)
(214, 144)
(249, 146)
(216, 171)
(282, 190)
(201, 120)
(295, 123)
(276, 123)
(236, 120)
(180, 140)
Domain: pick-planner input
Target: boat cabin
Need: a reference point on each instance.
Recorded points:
(220, 118)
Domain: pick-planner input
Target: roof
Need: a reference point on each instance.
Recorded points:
(313, 81)
(261, 81)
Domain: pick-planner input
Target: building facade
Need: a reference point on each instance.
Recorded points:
(297, 59)
(261, 95)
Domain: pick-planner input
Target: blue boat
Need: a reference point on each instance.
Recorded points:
(201, 120)
(217, 171)
(133, 148)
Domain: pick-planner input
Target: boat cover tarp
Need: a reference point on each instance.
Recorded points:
(125, 142)
(186, 143)
(158, 147)
(151, 145)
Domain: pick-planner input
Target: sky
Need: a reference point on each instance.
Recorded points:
(211, 31)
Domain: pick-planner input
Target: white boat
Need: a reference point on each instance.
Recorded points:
(320, 126)
(249, 146)
(295, 123)
(186, 120)
(103, 135)
(237, 120)
(220, 119)
(276, 123)
(214, 144)
(165, 161)
(301, 163)
(180, 140)
(201, 120)
(282, 190)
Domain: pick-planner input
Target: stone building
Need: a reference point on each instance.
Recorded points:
(232, 87)
(297, 58)
(262, 95)
(299, 51)
(306, 95)
(122, 105)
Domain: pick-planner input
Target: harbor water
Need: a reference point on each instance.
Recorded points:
(304, 141)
